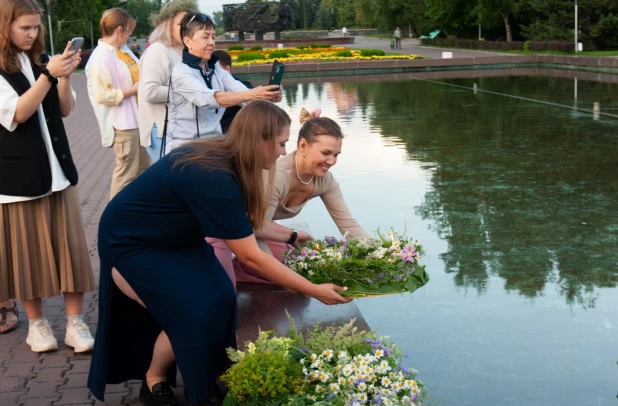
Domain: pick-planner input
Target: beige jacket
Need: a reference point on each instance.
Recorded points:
(327, 188)
(156, 69)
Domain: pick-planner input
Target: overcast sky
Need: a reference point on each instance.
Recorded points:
(210, 6)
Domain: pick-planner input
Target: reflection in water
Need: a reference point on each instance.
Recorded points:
(521, 198)
(518, 195)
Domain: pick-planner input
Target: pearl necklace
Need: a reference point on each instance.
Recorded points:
(298, 174)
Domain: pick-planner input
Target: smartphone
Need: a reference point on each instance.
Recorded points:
(76, 44)
(276, 74)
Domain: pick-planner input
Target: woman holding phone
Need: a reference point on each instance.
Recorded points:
(43, 249)
(201, 88)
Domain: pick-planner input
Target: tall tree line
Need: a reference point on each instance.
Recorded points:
(507, 20)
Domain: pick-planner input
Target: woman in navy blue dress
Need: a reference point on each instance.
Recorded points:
(164, 297)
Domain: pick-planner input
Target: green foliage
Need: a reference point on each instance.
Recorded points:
(372, 52)
(264, 374)
(344, 54)
(249, 56)
(256, 48)
(314, 46)
(301, 47)
(527, 46)
(278, 54)
(235, 48)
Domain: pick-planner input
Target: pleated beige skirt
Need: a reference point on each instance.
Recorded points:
(43, 248)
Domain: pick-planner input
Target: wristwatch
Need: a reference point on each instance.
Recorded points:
(52, 80)
(292, 239)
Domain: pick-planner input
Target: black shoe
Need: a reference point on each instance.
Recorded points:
(215, 400)
(161, 395)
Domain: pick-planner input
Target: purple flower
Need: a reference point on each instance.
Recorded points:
(412, 270)
(380, 275)
(362, 380)
(329, 397)
(408, 253)
(330, 240)
(404, 369)
(398, 277)
(304, 350)
(303, 253)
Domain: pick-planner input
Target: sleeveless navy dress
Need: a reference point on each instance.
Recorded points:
(153, 233)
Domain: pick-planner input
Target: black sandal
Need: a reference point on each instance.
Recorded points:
(161, 395)
(13, 324)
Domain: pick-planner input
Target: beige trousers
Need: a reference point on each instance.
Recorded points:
(131, 159)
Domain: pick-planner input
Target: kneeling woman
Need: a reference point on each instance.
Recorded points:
(299, 177)
(164, 296)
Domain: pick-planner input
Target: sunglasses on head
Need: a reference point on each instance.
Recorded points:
(202, 17)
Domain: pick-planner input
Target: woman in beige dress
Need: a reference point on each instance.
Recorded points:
(43, 249)
(299, 177)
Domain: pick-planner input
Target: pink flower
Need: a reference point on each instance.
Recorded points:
(409, 253)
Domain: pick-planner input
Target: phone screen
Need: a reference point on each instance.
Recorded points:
(276, 74)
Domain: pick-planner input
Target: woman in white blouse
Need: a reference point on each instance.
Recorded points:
(201, 88)
(43, 249)
(157, 61)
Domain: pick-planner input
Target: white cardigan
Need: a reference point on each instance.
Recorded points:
(156, 63)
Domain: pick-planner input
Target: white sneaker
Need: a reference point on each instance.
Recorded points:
(78, 336)
(41, 337)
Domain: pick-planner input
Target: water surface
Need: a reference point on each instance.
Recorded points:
(516, 204)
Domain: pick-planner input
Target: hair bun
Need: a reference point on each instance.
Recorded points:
(306, 115)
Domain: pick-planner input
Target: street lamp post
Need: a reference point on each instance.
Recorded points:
(51, 35)
(576, 43)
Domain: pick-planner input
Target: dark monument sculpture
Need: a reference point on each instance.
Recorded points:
(258, 18)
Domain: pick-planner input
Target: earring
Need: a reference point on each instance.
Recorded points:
(304, 155)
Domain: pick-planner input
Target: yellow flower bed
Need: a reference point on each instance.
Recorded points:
(315, 55)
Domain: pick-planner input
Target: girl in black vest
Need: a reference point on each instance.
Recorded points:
(42, 244)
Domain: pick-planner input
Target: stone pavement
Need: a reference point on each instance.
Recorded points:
(59, 378)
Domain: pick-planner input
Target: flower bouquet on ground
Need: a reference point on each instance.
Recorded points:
(384, 265)
(328, 366)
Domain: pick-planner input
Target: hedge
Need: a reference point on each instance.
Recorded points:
(249, 56)
(236, 48)
(535, 46)
(278, 54)
(256, 48)
(372, 52)
(344, 54)
(321, 45)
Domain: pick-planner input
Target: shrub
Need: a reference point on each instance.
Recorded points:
(321, 45)
(473, 44)
(301, 47)
(236, 48)
(344, 54)
(527, 46)
(372, 52)
(278, 54)
(540, 46)
(249, 56)
(256, 48)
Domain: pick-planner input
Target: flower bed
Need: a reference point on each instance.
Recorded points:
(296, 55)
(384, 265)
(327, 366)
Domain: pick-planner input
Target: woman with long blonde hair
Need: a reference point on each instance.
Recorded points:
(43, 249)
(164, 296)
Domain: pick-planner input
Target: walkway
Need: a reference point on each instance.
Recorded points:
(59, 378)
